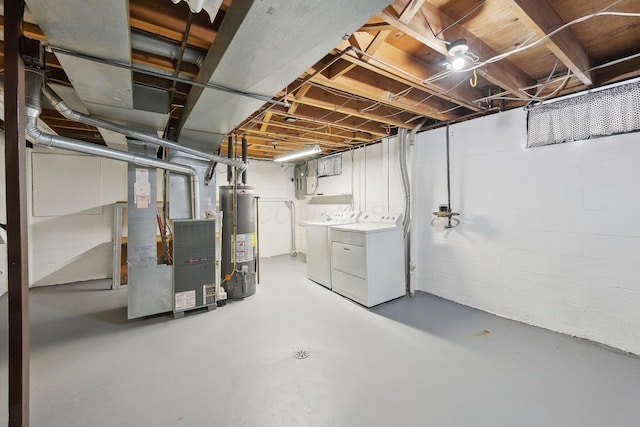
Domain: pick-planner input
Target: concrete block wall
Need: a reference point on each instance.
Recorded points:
(76, 245)
(549, 236)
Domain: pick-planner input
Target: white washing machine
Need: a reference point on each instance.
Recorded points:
(367, 259)
(318, 248)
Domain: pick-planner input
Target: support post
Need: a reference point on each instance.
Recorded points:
(16, 194)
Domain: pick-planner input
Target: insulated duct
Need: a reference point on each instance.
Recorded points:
(244, 158)
(36, 136)
(64, 109)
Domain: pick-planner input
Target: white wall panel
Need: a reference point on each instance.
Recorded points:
(558, 227)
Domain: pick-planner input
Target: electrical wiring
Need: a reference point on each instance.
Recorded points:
(561, 81)
(503, 94)
(549, 35)
(545, 84)
(465, 16)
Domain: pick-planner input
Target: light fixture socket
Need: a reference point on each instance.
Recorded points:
(458, 47)
(298, 154)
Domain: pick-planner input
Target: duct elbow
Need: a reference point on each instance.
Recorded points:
(33, 134)
(60, 106)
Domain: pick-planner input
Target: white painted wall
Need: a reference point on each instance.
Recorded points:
(74, 242)
(549, 236)
(273, 185)
(67, 247)
(371, 174)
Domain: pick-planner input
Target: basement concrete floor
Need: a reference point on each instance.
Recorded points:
(411, 362)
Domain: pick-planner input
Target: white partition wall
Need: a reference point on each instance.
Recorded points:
(549, 236)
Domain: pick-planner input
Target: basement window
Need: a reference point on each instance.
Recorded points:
(611, 111)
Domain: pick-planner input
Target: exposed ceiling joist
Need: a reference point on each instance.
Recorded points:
(388, 92)
(431, 20)
(388, 72)
(349, 111)
(346, 123)
(415, 72)
(542, 18)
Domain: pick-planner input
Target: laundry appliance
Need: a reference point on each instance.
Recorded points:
(368, 260)
(318, 247)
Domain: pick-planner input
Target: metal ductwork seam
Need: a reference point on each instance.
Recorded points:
(36, 136)
(64, 109)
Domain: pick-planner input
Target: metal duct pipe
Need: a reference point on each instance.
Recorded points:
(244, 158)
(229, 155)
(407, 224)
(64, 109)
(404, 174)
(36, 136)
(161, 47)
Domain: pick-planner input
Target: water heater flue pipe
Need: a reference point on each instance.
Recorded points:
(64, 109)
(36, 136)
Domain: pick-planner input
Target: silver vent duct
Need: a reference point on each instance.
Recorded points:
(34, 135)
(261, 47)
(64, 109)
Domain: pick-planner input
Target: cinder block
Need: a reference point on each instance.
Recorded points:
(535, 262)
(598, 221)
(629, 223)
(603, 197)
(532, 308)
(626, 303)
(629, 276)
(612, 248)
(554, 242)
(602, 273)
(601, 172)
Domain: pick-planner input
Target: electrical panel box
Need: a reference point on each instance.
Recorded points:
(194, 264)
(300, 180)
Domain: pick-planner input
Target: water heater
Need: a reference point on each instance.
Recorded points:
(238, 241)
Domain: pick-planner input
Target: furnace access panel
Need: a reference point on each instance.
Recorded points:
(194, 264)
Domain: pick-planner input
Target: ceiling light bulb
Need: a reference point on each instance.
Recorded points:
(298, 154)
(458, 62)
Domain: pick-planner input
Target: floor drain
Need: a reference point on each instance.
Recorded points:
(301, 354)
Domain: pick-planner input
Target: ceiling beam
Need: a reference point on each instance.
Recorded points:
(167, 20)
(353, 124)
(431, 19)
(300, 94)
(363, 83)
(541, 18)
(416, 72)
(162, 63)
(410, 11)
(350, 111)
(265, 121)
(623, 70)
(326, 135)
(370, 47)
